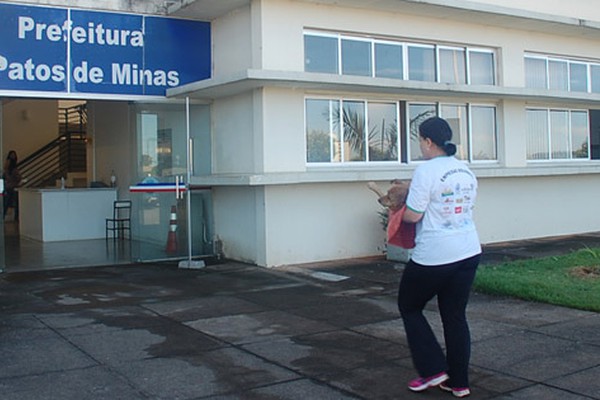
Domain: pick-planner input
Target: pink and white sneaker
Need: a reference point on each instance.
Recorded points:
(456, 392)
(420, 384)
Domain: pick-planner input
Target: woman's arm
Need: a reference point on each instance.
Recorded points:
(410, 216)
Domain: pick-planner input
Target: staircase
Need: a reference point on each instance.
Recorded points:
(62, 156)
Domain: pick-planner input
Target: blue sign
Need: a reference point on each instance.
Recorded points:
(76, 51)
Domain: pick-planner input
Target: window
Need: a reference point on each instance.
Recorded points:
(557, 134)
(456, 115)
(483, 133)
(473, 129)
(319, 132)
(356, 57)
(578, 77)
(362, 56)
(388, 61)
(558, 75)
(561, 74)
(452, 65)
(364, 131)
(383, 131)
(535, 73)
(580, 144)
(595, 74)
(417, 113)
(346, 131)
(321, 54)
(481, 67)
(537, 135)
(421, 63)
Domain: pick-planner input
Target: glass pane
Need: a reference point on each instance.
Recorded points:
(320, 54)
(595, 73)
(162, 158)
(452, 66)
(318, 142)
(578, 77)
(388, 61)
(535, 73)
(559, 134)
(356, 58)
(335, 128)
(558, 74)
(354, 131)
(580, 134)
(481, 68)
(537, 135)
(456, 115)
(383, 132)
(2, 253)
(421, 63)
(483, 133)
(201, 139)
(418, 113)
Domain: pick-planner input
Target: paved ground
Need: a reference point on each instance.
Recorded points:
(235, 331)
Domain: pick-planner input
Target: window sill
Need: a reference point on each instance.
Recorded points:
(343, 175)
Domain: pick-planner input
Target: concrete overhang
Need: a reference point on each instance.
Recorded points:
(252, 79)
(461, 10)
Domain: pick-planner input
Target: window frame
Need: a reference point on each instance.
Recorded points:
(548, 111)
(441, 48)
(405, 46)
(470, 50)
(588, 64)
(469, 128)
(339, 132)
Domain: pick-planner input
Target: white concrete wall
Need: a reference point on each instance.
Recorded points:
(524, 208)
(283, 130)
(582, 9)
(317, 222)
(234, 149)
(239, 222)
(28, 125)
(232, 42)
(112, 137)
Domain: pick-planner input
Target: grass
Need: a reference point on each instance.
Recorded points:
(571, 280)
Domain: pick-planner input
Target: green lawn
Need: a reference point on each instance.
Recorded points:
(571, 280)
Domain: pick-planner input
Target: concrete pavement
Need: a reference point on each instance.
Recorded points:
(235, 331)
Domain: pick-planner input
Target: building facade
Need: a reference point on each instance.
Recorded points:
(309, 100)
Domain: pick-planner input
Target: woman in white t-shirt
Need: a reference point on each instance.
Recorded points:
(443, 263)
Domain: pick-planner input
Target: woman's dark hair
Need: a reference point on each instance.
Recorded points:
(440, 133)
(11, 164)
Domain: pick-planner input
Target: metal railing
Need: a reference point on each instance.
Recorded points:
(66, 153)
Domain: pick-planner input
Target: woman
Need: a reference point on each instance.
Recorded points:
(12, 179)
(443, 263)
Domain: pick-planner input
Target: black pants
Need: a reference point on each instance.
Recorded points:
(452, 285)
(11, 199)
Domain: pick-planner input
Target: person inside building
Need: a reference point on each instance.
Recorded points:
(12, 179)
(443, 263)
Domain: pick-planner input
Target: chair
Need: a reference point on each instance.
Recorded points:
(121, 220)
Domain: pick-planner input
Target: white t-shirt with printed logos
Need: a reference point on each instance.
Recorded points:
(444, 190)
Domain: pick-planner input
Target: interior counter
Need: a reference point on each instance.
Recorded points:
(65, 214)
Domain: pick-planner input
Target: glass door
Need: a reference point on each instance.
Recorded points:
(2, 253)
(166, 224)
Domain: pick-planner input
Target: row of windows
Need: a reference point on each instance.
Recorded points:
(554, 134)
(348, 55)
(543, 72)
(348, 131)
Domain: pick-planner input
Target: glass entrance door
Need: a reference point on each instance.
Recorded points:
(2, 253)
(165, 223)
